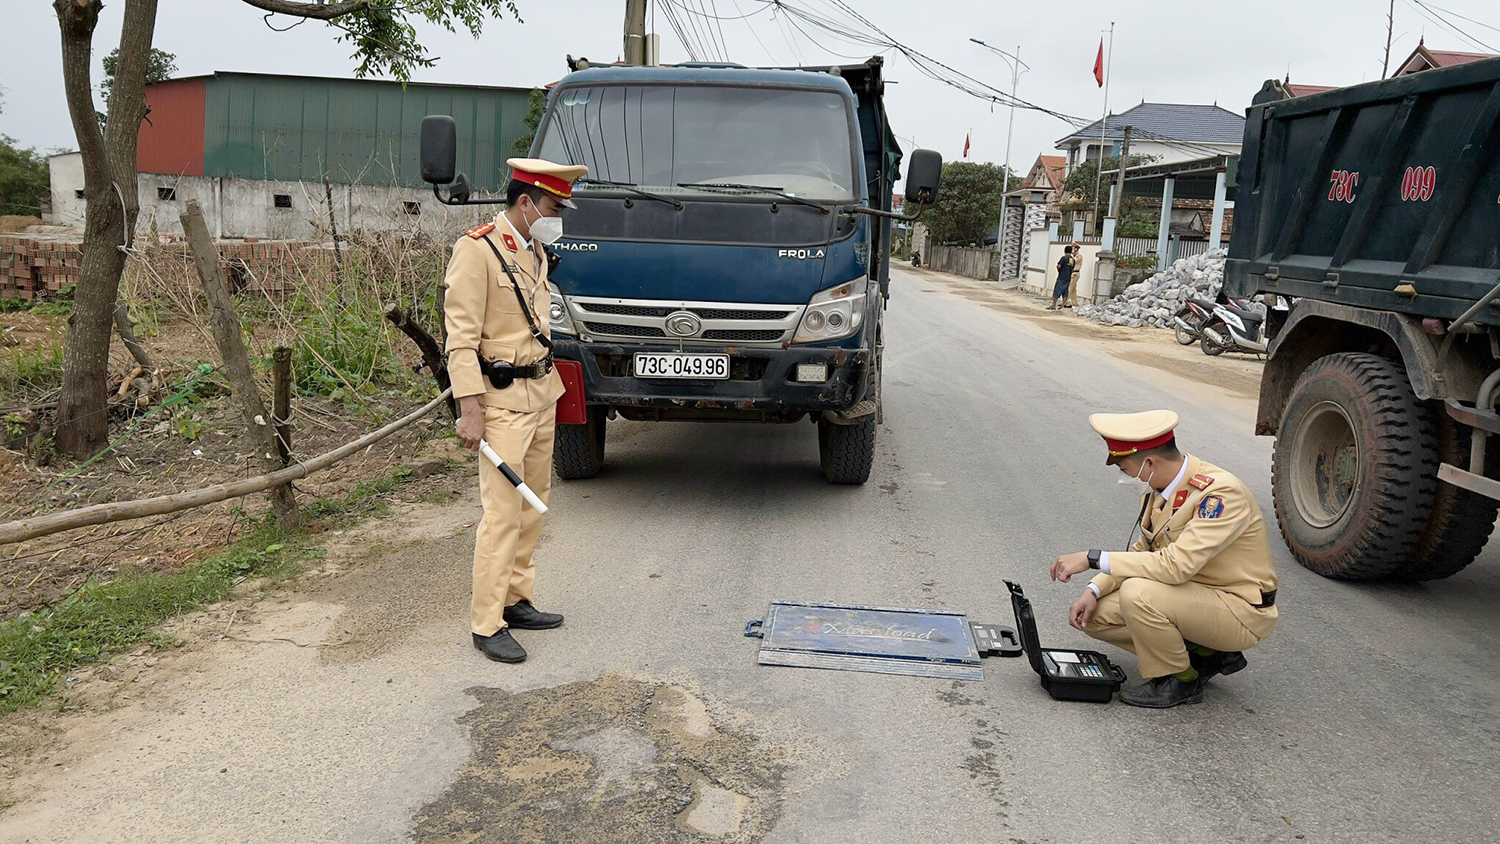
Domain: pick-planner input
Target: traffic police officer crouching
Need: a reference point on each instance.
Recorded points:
(1197, 587)
(500, 362)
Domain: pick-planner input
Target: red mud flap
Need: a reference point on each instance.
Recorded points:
(572, 408)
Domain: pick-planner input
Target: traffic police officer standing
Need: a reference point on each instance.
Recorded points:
(500, 362)
(1197, 588)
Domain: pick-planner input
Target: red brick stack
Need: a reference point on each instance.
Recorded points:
(35, 266)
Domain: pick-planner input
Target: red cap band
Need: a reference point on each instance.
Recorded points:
(551, 184)
(1121, 448)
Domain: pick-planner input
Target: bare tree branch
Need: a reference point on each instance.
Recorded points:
(314, 11)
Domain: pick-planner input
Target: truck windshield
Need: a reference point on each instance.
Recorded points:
(660, 137)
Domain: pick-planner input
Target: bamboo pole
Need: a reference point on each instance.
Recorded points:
(119, 511)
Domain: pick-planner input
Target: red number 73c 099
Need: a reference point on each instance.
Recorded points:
(1343, 185)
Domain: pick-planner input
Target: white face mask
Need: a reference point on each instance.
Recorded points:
(546, 229)
(1125, 479)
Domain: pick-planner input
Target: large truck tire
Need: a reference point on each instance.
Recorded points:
(1461, 521)
(578, 452)
(1353, 476)
(847, 451)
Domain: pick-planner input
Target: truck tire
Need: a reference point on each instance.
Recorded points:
(1461, 521)
(578, 452)
(1353, 475)
(847, 451)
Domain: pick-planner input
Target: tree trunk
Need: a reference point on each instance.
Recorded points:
(109, 180)
(226, 328)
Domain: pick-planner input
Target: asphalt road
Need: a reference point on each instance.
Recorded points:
(1370, 715)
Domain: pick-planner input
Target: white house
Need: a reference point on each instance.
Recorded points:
(1171, 132)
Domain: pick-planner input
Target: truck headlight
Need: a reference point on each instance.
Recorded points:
(557, 312)
(834, 313)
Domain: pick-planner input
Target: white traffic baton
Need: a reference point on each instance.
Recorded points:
(515, 480)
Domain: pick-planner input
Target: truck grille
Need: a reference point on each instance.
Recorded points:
(623, 330)
(720, 322)
(743, 336)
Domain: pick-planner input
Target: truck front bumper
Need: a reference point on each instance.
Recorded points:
(762, 381)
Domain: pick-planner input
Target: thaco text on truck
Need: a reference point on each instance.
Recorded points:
(1378, 207)
(729, 258)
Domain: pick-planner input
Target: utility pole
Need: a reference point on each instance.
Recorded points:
(1114, 206)
(1017, 67)
(1390, 24)
(635, 32)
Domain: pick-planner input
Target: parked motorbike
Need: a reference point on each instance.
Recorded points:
(1233, 326)
(1189, 321)
(916, 258)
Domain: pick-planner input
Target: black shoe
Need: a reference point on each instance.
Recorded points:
(1223, 662)
(1163, 692)
(523, 616)
(501, 647)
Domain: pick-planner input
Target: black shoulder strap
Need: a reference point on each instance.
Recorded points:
(520, 297)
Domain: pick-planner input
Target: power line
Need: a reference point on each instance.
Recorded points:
(1461, 17)
(751, 27)
(1429, 13)
(719, 25)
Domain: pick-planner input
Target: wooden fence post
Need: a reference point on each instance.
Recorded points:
(281, 401)
(226, 328)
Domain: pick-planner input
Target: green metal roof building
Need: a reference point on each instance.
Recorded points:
(307, 128)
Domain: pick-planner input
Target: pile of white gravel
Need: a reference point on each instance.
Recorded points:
(1154, 301)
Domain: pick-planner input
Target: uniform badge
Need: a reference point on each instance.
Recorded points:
(1180, 499)
(480, 231)
(510, 243)
(1211, 507)
(1200, 482)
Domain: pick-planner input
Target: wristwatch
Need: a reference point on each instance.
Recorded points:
(1094, 555)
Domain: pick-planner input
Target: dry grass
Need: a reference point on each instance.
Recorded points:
(17, 222)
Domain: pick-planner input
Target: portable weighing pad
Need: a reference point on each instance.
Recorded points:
(884, 640)
(1065, 674)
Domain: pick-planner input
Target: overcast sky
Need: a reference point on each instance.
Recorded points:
(1184, 51)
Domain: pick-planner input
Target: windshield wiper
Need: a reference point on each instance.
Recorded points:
(731, 186)
(632, 188)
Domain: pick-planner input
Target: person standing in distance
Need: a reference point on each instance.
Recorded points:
(1065, 266)
(500, 362)
(1197, 588)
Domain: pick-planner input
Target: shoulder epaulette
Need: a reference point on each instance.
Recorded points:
(480, 231)
(1200, 482)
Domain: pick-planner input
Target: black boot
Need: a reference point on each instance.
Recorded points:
(501, 647)
(1164, 692)
(1222, 662)
(523, 616)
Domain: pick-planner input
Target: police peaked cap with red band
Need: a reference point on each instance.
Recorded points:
(556, 179)
(1129, 433)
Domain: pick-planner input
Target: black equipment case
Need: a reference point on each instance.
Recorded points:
(1066, 675)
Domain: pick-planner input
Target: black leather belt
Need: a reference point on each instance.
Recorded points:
(504, 373)
(1267, 600)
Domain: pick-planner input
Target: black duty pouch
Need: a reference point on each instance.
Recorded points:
(501, 373)
(1086, 676)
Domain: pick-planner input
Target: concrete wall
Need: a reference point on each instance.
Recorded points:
(1041, 268)
(238, 208)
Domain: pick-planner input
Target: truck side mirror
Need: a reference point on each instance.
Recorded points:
(439, 149)
(923, 174)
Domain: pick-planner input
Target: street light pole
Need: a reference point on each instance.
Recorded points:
(1017, 67)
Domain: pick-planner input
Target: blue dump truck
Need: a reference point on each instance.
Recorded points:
(1377, 207)
(729, 258)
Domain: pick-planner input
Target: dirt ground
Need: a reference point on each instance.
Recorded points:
(186, 447)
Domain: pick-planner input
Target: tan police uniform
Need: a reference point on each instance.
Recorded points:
(1201, 569)
(484, 319)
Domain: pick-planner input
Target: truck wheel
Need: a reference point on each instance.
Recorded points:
(848, 451)
(1353, 474)
(579, 450)
(1461, 521)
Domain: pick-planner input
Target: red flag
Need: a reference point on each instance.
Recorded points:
(966, 144)
(1099, 65)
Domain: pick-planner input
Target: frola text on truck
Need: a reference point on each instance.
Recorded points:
(729, 256)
